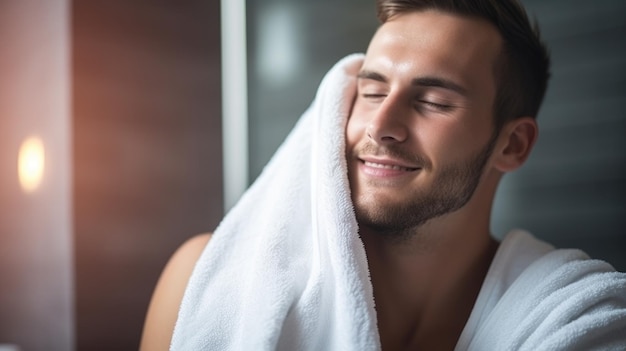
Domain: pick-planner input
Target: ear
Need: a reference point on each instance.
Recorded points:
(517, 139)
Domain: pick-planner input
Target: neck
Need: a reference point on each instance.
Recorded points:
(426, 282)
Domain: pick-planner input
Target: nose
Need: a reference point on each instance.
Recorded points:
(388, 124)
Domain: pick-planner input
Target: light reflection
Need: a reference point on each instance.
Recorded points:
(279, 52)
(31, 162)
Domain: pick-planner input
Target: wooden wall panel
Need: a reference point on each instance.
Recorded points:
(147, 153)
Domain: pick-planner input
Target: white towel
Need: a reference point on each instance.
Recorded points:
(538, 298)
(286, 268)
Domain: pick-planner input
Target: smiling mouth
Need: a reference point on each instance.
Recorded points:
(389, 167)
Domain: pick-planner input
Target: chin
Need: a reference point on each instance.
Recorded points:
(381, 213)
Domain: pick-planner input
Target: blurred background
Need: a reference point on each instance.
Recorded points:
(111, 142)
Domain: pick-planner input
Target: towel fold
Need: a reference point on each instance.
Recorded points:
(286, 268)
(538, 298)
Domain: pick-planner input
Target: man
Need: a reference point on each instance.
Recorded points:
(446, 99)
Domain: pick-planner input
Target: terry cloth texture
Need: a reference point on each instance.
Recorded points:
(538, 298)
(286, 268)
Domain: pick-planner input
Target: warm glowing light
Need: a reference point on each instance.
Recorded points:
(31, 164)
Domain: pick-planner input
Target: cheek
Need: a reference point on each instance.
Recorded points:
(354, 129)
(443, 142)
(457, 143)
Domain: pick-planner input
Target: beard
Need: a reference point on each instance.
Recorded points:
(452, 188)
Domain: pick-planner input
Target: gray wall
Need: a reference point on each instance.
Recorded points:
(571, 190)
(291, 45)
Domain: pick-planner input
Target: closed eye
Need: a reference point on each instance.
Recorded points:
(374, 97)
(436, 106)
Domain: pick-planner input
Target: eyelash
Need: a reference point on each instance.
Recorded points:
(374, 96)
(430, 104)
(436, 106)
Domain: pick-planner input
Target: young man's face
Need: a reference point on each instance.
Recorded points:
(420, 131)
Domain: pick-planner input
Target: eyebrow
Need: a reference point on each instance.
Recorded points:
(428, 81)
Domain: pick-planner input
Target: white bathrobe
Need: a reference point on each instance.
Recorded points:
(537, 298)
(287, 270)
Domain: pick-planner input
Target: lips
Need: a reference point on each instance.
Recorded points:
(386, 168)
(389, 166)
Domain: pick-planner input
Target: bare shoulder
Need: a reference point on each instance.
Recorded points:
(168, 294)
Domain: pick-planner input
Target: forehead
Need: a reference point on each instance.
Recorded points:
(433, 42)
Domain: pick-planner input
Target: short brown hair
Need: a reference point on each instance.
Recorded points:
(522, 70)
